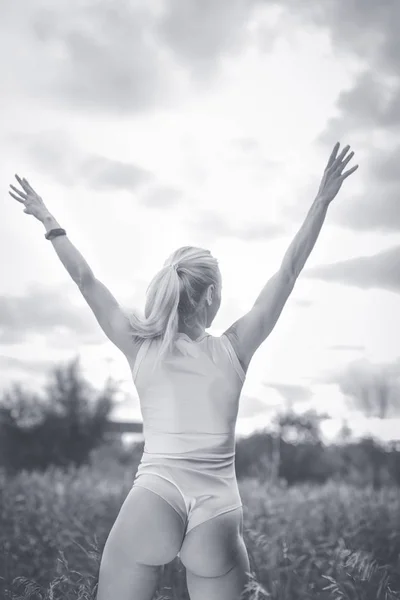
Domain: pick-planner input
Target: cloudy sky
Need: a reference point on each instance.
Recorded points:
(146, 126)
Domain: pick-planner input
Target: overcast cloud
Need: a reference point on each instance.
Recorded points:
(372, 389)
(291, 393)
(41, 310)
(377, 271)
(196, 83)
(121, 58)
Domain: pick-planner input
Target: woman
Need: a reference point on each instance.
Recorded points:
(185, 499)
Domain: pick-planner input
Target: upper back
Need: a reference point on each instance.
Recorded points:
(194, 390)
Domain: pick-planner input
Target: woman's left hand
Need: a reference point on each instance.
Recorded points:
(333, 175)
(33, 203)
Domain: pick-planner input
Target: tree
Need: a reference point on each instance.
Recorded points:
(373, 390)
(299, 454)
(304, 427)
(60, 428)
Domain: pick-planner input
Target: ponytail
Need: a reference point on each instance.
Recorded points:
(175, 290)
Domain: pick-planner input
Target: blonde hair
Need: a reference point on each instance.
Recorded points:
(174, 292)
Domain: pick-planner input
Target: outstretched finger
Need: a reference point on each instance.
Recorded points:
(16, 197)
(17, 191)
(343, 164)
(333, 155)
(22, 183)
(28, 185)
(349, 172)
(342, 155)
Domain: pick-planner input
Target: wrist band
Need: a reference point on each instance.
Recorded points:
(54, 233)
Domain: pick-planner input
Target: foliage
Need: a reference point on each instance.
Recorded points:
(335, 541)
(295, 453)
(60, 428)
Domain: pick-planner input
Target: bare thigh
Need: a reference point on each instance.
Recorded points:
(147, 534)
(147, 530)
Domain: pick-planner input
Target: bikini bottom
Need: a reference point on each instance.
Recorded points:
(197, 489)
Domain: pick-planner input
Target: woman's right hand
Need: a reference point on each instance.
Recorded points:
(333, 175)
(32, 202)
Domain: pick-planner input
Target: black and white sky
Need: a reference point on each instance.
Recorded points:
(150, 125)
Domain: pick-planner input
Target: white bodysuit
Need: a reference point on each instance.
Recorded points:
(189, 405)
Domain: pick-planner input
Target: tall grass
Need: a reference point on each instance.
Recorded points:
(331, 542)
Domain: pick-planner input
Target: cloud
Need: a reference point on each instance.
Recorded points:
(373, 389)
(291, 392)
(162, 196)
(121, 58)
(43, 311)
(48, 311)
(302, 303)
(347, 348)
(27, 365)
(364, 28)
(378, 207)
(385, 166)
(376, 271)
(92, 55)
(101, 173)
(250, 406)
(248, 155)
(201, 33)
(366, 32)
(247, 145)
(372, 103)
(375, 210)
(216, 225)
(70, 165)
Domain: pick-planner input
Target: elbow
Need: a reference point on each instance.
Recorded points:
(286, 272)
(84, 278)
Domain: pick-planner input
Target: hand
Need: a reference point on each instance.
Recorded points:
(333, 175)
(34, 205)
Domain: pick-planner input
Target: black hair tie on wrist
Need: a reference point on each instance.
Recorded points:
(54, 233)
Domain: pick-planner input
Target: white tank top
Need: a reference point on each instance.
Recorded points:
(189, 402)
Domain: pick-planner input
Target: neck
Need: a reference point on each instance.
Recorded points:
(193, 332)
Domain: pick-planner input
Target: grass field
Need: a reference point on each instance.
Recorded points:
(335, 541)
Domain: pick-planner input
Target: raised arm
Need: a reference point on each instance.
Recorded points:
(103, 304)
(251, 330)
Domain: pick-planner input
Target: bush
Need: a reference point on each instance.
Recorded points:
(60, 428)
(271, 458)
(334, 541)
